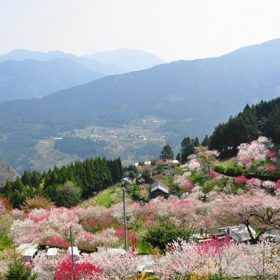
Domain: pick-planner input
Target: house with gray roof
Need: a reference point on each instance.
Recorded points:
(159, 189)
(238, 233)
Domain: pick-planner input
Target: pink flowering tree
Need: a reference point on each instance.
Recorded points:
(120, 266)
(186, 259)
(257, 151)
(45, 224)
(262, 261)
(255, 209)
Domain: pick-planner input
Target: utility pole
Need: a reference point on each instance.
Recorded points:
(72, 253)
(125, 220)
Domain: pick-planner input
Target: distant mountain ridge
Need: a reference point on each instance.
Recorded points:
(131, 60)
(106, 63)
(94, 65)
(32, 78)
(188, 97)
(27, 74)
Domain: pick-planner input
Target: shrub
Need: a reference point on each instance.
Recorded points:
(209, 186)
(199, 178)
(17, 270)
(6, 204)
(219, 168)
(5, 242)
(144, 247)
(240, 180)
(36, 202)
(164, 233)
(139, 193)
(67, 195)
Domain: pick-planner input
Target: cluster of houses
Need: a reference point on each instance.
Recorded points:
(30, 251)
(157, 188)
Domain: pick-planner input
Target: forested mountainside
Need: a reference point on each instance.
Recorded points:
(65, 185)
(173, 100)
(255, 120)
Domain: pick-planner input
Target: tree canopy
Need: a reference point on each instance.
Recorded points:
(88, 176)
(166, 153)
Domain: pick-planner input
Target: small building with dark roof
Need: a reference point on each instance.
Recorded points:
(159, 189)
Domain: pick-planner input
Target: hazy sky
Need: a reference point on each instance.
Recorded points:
(171, 29)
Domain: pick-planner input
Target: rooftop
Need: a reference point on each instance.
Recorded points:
(159, 186)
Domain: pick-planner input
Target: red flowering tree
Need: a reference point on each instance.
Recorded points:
(57, 241)
(81, 270)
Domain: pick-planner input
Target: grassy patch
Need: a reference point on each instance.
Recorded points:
(144, 247)
(5, 242)
(106, 198)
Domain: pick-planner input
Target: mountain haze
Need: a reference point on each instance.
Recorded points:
(28, 74)
(131, 60)
(106, 63)
(32, 78)
(175, 99)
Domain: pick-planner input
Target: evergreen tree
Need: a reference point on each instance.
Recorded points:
(196, 142)
(205, 141)
(272, 126)
(178, 157)
(245, 127)
(187, 148)
(89, 176)
(166, 153)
